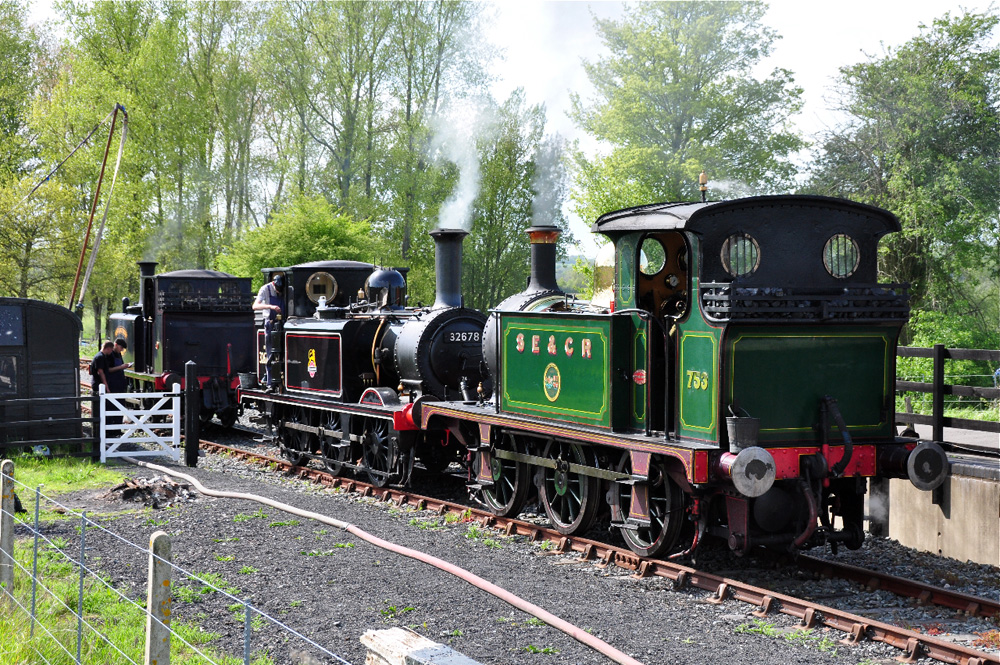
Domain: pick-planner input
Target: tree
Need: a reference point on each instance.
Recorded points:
(923, 140)
(307, 228)
(522, 184)
(436, 58)
(677, 96)
(18, 52)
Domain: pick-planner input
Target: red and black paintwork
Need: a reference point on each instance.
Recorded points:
(202, 316)
(737, 381)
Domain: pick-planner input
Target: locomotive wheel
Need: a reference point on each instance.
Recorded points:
(296, 444)
(205, 416)
(666, 510)
(228, 416)
(334, 456)
(570, 499)
(507, 495)
(378, 451)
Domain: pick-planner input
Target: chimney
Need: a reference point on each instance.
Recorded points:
(146, 269)
(448, 266)
(543, 259)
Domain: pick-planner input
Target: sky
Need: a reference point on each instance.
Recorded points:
(545, 43)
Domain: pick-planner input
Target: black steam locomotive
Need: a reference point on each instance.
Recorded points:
(354, 360)
(734, 375)
(199, 315)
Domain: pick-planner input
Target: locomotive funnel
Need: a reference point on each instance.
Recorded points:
(146, 268)
(448, 266)
(543, 259)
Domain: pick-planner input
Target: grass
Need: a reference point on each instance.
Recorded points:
(531, 648)
(969, 409)
(243, 517)
(394, 611)
(191, 592)
(478, 533)
(286, 523)
(795, 636)
(59, 475)
(121, 622)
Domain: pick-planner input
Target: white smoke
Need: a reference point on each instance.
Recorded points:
(731, 189)
(548, 183)
(455, 140)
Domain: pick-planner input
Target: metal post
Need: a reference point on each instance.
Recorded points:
(246, 634)
(6, 529)
(158, 601)
(192, 409)
(34, 561)
(938, 392)
(79, 603)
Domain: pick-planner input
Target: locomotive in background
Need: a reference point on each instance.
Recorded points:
(738, 379)
(199, 315)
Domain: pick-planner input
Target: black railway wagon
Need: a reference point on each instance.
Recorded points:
(39, 358)
(199, 315)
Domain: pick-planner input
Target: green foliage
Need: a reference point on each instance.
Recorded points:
(928, 328)
(59, 475)
(307, 228)
(522, 179)
(120, 622)
(678, 95)
(19, 52)
(923, 140)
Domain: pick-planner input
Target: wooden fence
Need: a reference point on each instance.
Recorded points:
(938, 389)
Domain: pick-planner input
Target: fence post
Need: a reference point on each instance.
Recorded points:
(158, 601)
(34, 560)
(83, 572)
(6, 529)
(937, 409)
(192, 411)
(247, 631)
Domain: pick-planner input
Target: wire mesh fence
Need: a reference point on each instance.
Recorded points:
(57, 606)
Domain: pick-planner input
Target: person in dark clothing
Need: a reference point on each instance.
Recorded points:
(270, 298)
(108, 369)
(100, 366)
(118, 382)
(98, 377)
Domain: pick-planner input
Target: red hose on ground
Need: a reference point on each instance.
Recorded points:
(578, 634)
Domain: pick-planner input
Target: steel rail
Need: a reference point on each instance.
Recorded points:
(913, 645)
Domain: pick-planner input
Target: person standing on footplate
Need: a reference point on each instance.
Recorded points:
(269, 300)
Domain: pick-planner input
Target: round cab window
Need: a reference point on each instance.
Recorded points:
(321, 285)
(841, 256)
(740, 255)
(652, 257)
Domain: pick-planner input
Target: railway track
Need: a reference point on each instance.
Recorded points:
(810, 614)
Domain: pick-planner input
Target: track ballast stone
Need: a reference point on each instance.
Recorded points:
(332, 587)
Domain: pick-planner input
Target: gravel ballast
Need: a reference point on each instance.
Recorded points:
(332, 587)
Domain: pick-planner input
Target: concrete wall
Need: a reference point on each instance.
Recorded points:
(964, 524)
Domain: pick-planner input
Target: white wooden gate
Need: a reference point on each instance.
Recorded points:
(158, 424)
